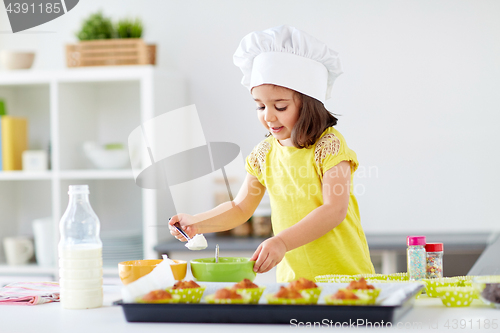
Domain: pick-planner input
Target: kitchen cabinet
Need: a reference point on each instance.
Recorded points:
(65, 108)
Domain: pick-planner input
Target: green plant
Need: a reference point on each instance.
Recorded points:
(128, 28)
(96, 27)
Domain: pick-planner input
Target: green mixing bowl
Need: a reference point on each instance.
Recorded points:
(228, 269)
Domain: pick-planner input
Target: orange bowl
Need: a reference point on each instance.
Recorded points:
(132, 270)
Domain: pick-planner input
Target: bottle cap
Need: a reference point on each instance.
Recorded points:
(78, 189)
(434, 247)
(415, 240)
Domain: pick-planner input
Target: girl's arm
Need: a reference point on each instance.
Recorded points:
(225, 216)
(336, 187)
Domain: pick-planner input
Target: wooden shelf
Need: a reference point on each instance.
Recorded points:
(25, 175)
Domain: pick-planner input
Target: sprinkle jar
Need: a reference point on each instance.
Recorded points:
(434, 254)
(415, 258)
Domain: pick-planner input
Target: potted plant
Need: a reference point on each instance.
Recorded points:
(102, 43)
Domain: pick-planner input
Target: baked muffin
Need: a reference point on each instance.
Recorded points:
(344, 294)
(302, 283)
(157, 295)
(361, 284)
(226, 293)
(288, 293)
(245, 284)
(185, 285)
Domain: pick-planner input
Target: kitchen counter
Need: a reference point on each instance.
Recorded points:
(427, 314)
(461, 249)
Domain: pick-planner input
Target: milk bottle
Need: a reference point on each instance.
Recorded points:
(80, 253)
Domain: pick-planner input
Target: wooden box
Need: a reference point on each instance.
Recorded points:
(110, 52)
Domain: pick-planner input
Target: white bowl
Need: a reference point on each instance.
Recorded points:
(106, 158)
(17, 60)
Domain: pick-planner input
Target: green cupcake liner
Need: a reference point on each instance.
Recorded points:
(372, 276)
(210, 299)
(398, 277)
(313, 294)
(432, 284)
(188, 295)
(363, 300)
(479, 283)
(174, 299)
(271, 299)
(456, 296)
(253, 293)
(335, 278)
(371, 293)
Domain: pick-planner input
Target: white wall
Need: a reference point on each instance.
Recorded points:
(419, 96)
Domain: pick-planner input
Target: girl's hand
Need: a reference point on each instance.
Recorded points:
(185, 222)
(269, 253)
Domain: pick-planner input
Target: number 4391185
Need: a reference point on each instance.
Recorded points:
(470, 324)
(32, 8)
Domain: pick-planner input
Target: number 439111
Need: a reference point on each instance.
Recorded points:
(24, 8)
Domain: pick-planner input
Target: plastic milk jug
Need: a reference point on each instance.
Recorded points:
(80, 253)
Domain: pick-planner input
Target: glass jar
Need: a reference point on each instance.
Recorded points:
(261, 219)
(415, 257)
(434, 265)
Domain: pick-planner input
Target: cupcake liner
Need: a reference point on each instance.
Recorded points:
(253, 293)
(271, 299)
(376, 277)
(335, 278)
(398, 277)
(188, 295)
(465, 281)
(174, 299)
(432, 284)
(313, 294)
(371, 293)
(210, 299)
(483, 289)
(363, 300)
(455, 296)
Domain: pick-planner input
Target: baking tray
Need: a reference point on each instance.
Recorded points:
(263, 313)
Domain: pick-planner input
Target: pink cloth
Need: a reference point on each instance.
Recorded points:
(29, 293)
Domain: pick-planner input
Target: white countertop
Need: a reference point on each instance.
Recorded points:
(428, 314)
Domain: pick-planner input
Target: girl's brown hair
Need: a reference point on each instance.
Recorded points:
(313, 120)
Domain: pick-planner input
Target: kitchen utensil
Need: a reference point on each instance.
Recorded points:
(228, 269)
(198, 242)
(129, 271)
(217, 253)
(179, 229)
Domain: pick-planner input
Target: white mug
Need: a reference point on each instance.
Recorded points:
(18, 250)
(45, 249)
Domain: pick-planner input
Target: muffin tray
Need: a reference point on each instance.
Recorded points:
(393, 302)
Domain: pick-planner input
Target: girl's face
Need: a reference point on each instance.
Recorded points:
(278, 110)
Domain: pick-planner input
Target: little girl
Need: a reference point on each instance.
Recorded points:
(304, 163)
